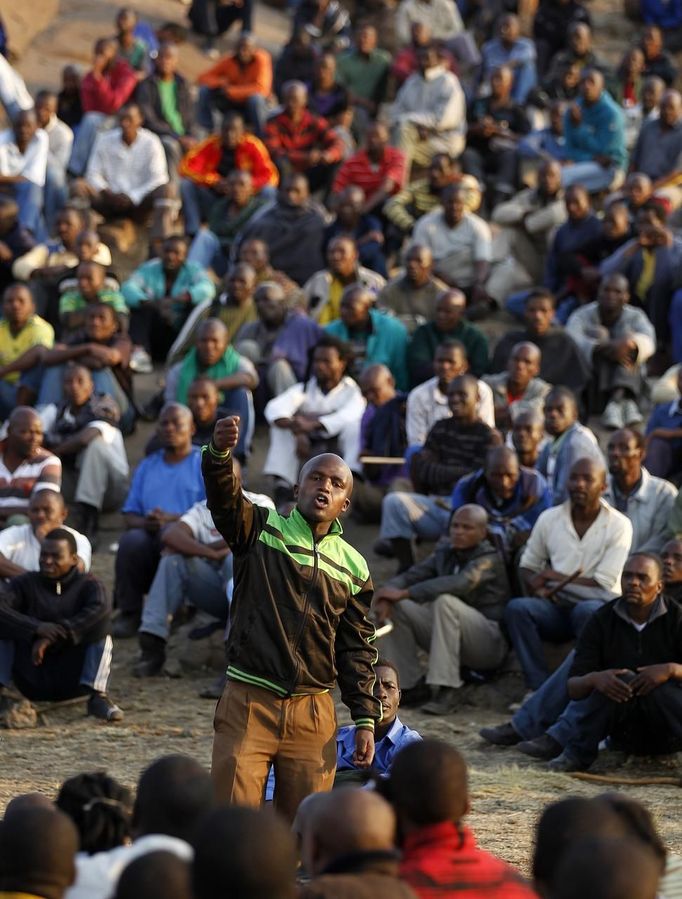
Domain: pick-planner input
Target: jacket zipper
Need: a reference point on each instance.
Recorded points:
(304, 618)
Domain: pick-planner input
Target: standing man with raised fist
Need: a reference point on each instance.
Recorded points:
(298, 621)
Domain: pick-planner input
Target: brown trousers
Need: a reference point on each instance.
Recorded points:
(254, 728)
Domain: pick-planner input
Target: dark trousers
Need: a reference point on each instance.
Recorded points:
(211, 19)
(150, 330)
(64, 673)
(137, 559)
(647, 725)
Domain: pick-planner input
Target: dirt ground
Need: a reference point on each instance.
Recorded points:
(165, 715)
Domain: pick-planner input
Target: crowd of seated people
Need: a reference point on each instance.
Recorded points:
(440, 240)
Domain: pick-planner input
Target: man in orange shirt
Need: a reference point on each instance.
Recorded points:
(204, 170)
(240, 81)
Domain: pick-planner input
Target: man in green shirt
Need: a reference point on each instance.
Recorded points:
(364, 71)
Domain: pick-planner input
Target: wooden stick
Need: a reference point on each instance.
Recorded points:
(382, 460)
(628, 781)
(564, 582)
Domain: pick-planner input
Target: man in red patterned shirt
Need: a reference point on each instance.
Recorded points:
(378, 169)
(429, 791)
(299, 141)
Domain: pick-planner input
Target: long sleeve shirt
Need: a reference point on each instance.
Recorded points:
(293, 141)
(239, 82)
(108, 92)
(435, 100)
(201, 163)
(441, 16)
(427, 404)
(558, 455)
(601, 132)
(452, 450)
(648, 507)
(148, 283)
(132, 169)
(335, 410)
(632, 322)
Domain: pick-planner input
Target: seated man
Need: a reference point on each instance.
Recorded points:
(496, 123)
(54, 631)
(569, 442)
(449, 605)
(460, 243)
(428, 403)
(539, 728)
(412, 293)
(299, 141)
(15, 241)
(24, 465)
(512, 495)
(365, 229)
(292, 228)
(23, 169)
(527, 221)
(313, 416)
(85, 436)
(442, 18)
(585, 539)
(645, 499)
(278, 343)
(241, 82)
(257, 254)
(595, 136)
(453, 448)
(390, 736)
(91, 290)
(623, 682)
(166, 105)
(195, 569)
(374, 337)
(528, 437)
(127, 176)
(378, 169)
(561, 362)
(235, 376)
(20, 330)
(323, 291)
(161, 294)
(20, 543)
(447, 324)
(429, 111)
(206, 168)
(363, 71)
(423, 195)
(657, 60)
(211, 247)
(508, 48)
(519, 388)
(59, 144)
(164, 486)
(659, 147)
(616, 339)
(430, 794)
(664, 436)
(382, 433)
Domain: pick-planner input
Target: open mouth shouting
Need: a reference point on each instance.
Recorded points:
(321, 500)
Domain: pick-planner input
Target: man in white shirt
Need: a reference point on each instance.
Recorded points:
(20, 543)
(429, 113)
(195, 569)
(127, 176)
(428, 403)
(60, 141)
(321, 415)
(460, 242)
(23, 167)
(584, 538)
(441, 16)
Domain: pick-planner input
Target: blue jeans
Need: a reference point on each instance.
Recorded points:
(254, 109)
(537, 714)
(8, 390)
(530, 620)
(30, 198)
(91, 124)
(592, 176)
(515, 303)
(191, 579)
(206, 251)
(675, 320)
(55, 196)
(64, 672)
(412, 514)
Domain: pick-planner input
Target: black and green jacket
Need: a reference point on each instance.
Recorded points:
(298, 620)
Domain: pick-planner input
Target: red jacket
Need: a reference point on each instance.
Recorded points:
(361, 172)
(443, 860)
(108, 92)
(200, 164)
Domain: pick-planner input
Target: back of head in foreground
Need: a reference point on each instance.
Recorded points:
(173, 794)
(347, 823)
(243, 853)
(155, 875)
(607, 869)
(428, 785)
(100, 807)
(37, 852)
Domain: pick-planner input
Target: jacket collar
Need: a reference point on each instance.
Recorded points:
(660, 608)
(296, 518)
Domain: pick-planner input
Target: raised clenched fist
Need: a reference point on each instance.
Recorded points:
(226, 433)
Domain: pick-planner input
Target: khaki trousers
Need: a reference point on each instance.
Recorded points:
(254, 729)
(453, 633)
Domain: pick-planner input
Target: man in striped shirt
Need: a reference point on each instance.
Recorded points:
(378, 169)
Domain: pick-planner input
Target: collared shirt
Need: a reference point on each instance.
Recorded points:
(600, 553)
(558, 455)
(521, 54)
(583, 323)
(60, 141)
(658, 151)
(427, 404)
(648, 507)
(132, 169)
(31, 164)
(455, 249)
(440, 16)
(36, 332)
(20, 545)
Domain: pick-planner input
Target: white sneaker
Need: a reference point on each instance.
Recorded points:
(631, 413)
(140, 361)
(612, 417)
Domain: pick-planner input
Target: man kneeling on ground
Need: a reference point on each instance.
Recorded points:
(54, 631)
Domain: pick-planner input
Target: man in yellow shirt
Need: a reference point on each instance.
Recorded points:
(20, 329)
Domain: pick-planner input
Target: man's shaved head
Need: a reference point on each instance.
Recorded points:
(326, 458)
